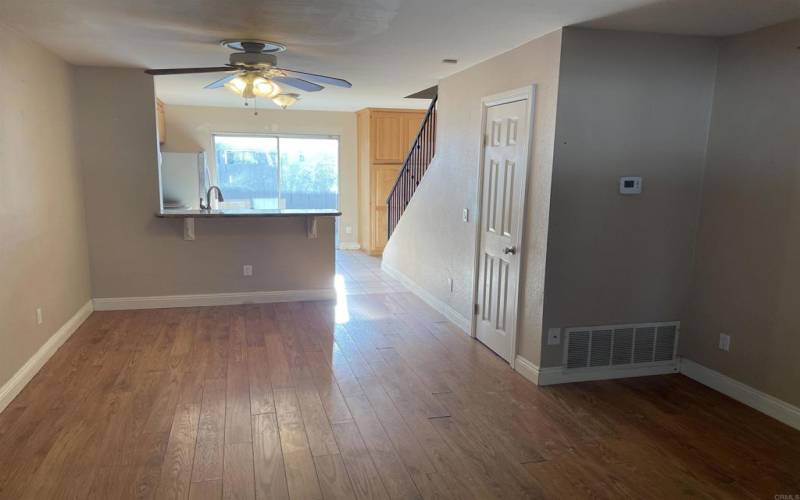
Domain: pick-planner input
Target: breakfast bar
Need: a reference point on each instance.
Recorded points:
(189, 216)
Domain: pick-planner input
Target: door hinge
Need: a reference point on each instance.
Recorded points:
(475, 310)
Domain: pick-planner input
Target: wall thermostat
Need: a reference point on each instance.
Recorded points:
(630, 185)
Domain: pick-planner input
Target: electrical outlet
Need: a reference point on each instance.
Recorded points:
(465, 215)
(450, 284)
(724, 342)
(553, 336)
(39, 317)
(247, 270)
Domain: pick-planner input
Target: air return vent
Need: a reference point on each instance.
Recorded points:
(620, 345)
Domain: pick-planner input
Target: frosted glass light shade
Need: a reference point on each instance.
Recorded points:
(252, 85)
(285, 100)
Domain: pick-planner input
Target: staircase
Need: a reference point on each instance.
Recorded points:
(414, 167)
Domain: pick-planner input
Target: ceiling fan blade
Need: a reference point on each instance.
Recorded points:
(185, 71)
(337, 82)
(298, 83)
(221, 82)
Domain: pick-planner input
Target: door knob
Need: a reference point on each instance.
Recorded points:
(510, 250)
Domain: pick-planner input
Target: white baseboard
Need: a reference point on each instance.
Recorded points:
(761, 401)
(527, 369)
(558, 375)
(14, 386)
(212, 299)
(448, 312)
(349, 245)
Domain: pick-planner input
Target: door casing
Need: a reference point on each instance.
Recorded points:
(523, 93)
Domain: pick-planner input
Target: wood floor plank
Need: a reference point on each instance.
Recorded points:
(333, 479)
(301, 476)
(237, 403)
(208, 456)
(363, 474)
(395, 477)
(163, 406)
(238, 482)
(176, 471)
(403, 438)
(438, 486)
(270, 474)
(278, 365)
(261, 398)
(206, 490)
(254, 325)
(318, 428)
(327, 387)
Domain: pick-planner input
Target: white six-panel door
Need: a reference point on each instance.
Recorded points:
(503, 190)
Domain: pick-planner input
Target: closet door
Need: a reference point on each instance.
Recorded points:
(385, 177)
(388, 137)
(411, 123)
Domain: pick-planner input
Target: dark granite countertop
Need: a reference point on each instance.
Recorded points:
(248, 212)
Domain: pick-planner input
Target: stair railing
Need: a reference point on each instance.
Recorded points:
(414, 167)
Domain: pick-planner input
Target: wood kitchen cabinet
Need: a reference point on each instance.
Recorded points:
(384, 139)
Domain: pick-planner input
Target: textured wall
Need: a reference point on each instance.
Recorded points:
(432, 243)
(135, 254)
(628, 104)
(748, 246)
(43, 250)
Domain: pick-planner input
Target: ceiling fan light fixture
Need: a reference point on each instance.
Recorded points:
(264, 87)
(285, 100)
(238, 85)
(251, 85)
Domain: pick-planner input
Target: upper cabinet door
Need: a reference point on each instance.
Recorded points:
(411, 123)
(388, 137)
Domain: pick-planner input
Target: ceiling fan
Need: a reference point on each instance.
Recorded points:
(253, 73)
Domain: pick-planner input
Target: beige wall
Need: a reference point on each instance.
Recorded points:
(135, 254)
(431, 242)
(43, 252)
(748, 247)
(190, 129)
(628, 104)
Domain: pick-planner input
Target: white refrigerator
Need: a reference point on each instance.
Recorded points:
(184, 179)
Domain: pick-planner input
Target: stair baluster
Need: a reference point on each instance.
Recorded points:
(414, 167)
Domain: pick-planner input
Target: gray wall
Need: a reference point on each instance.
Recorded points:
(133, 253)
(748, 245)
(432, 243)
(43, 250)
(628, 104)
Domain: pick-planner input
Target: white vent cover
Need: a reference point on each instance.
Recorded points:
(620, 345)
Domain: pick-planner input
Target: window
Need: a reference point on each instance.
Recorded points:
(278, 171)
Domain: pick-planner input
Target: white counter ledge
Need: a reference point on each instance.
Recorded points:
(189, 216)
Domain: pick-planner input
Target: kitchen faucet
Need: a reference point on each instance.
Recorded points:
(208, 197)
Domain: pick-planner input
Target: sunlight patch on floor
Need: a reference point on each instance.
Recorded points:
(341, 313)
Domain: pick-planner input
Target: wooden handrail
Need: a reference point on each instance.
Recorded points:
(414, 167)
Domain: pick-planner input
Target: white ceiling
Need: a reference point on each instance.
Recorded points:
(386, 48)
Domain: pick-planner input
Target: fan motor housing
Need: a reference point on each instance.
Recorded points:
(253, 59)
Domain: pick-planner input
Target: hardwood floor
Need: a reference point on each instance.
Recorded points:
(378, 397)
